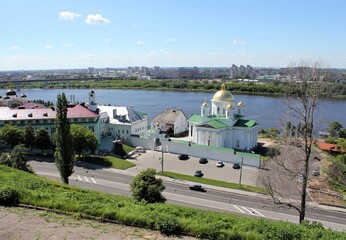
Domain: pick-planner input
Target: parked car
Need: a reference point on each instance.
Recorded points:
(220, 164)
(236, 166)
(198, 173)
(315, 172)
(183, 157)
(300, 177)
(197, 187)
(203, 160)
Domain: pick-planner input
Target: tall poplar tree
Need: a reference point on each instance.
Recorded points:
(64, 156)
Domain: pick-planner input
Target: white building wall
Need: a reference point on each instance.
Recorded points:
(181, 124)
(139, 128)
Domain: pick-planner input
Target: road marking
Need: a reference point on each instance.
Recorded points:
(238, 208)
(86, 179)
(79, 178)
(248, 210)
(93, 180)
(257, 212)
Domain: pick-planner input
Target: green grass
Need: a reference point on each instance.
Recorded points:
(108, 161)
(264, 158)
(127, 148)
(214, 182)
(37, 191)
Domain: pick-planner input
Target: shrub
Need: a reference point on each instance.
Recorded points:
(167, 224)
(9, 196)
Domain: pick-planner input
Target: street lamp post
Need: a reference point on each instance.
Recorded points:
(241, 171)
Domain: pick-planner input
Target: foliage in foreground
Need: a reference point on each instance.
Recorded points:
(166, 218)
(145, 187)
(16, 158)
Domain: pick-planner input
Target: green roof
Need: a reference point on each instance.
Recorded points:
(214, 124)
(142, 114)
(245, 123)
(195, 118)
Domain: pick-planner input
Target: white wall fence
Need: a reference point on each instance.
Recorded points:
(212, 153)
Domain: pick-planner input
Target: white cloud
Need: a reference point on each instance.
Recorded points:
(170, 40)
(238, 42)
(140, 43)
(67, 44)
(107, 40)
(96, 19)
(14, 47)
(64, 15)
(48, 46)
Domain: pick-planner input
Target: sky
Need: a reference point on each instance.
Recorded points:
(71, 34)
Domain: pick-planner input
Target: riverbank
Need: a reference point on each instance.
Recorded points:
(257, 89)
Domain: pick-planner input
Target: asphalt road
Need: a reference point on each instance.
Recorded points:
(215, 198)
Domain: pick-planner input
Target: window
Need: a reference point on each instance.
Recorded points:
(127, 131)
(218, 109)
(123, 131)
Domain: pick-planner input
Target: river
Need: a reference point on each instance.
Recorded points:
(267, 111)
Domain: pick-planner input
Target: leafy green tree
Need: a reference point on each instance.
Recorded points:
(42, 139)
(29, 136)
(16, 158)
(11, 135)
(341, 144)
(342, 133)
(146, 188)
(83, 139)
(64, 156)
(334, 129)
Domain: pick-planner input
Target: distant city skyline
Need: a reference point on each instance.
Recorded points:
(39, 35)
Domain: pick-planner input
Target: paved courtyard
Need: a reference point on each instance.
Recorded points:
(171, 163)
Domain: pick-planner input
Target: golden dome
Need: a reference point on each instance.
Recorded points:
(205, 104)
(241, 104)
(229, 106)
(223, 95)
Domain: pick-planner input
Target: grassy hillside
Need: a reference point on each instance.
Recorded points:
(37, 191)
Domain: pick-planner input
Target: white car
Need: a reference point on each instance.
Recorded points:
(220, 164)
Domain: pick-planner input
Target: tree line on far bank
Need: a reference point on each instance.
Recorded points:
(271, 88)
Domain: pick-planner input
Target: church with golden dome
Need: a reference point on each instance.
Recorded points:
(223, 124)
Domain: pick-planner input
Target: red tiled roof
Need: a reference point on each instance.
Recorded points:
(77, 111)
(326, 146)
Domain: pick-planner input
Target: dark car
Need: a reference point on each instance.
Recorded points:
(183, 157)
(236, 166)
(198, 173)
(197, 187)
(203, 160)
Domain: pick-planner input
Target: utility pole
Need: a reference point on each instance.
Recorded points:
(162, 160)
(241, 171)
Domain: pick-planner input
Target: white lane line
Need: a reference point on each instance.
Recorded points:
(248, 210)
(86, 179)
(257, 212)
(93, 180)
(79, 177)
(238, 209)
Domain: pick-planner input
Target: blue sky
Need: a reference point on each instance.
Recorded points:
(60, 34)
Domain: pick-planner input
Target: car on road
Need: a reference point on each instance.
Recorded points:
(183, 157)
(236, 166)
(315, 172)
(198, 173)
(203, 160)
(220, 164)
(197, 187)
